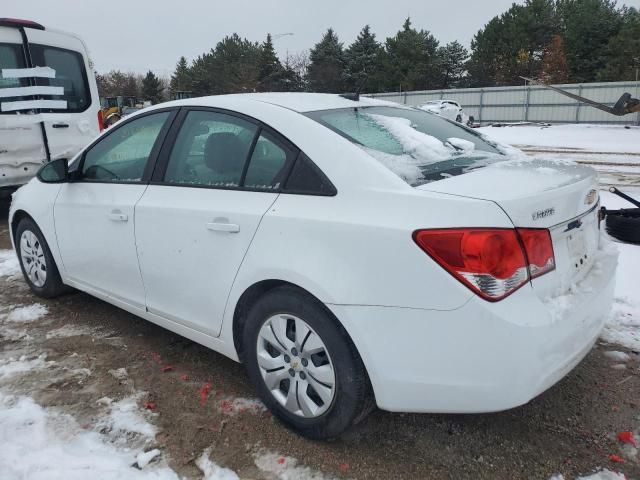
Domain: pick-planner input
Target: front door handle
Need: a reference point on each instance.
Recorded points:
(118, 216)
(223, 227)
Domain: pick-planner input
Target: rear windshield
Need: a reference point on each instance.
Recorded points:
(416, 145)
(70, 74)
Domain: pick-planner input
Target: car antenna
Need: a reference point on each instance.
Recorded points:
(356, 96)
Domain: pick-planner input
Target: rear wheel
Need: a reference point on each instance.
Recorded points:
(37, 264)
(304, 366)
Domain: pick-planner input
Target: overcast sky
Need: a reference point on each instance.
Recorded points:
(138, 35)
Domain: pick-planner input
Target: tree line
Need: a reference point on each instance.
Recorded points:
(556, 41)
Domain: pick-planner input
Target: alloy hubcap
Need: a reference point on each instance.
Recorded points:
(32, 257)
(296, 366)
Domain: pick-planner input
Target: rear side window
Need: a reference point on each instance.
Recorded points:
(306, 178)
(211, 150)
(70, 74)
(268, 163)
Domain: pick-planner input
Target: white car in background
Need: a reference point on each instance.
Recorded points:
(447, 109)
(49, 105)
(350, 252)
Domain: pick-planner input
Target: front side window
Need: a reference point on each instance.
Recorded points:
(211, 150)
(123, 154)
(417, 146)
(70, 74)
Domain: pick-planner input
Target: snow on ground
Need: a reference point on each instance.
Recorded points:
(601, 475)
(211, 470)
(623, 324)
(567, 138)
(28, 313)
(285, 468)
(9, 265)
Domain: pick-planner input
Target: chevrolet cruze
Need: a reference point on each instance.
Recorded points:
(350, 252)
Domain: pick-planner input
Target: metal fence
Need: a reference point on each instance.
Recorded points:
(529, 103)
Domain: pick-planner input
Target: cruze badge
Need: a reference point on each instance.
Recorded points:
(591, 197)
(543, 213)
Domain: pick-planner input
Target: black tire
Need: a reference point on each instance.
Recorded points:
(53, 285)
(353, 399)
(624, 225)
(459, 119)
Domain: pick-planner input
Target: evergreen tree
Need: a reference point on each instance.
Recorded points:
(411, 62)
(452, 60)
(363, 60)
(326, 67)
(181, 78)
(587, 26)
(622, 54)
(152, 88)
(271, 72)
(554, 62)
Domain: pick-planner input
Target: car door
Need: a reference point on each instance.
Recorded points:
(94, 213)
(198, 217)
(74, 123)
(21, 141)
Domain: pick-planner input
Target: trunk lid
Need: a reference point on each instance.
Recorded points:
(537, 193)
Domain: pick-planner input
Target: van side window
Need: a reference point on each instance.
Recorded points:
(11, 57)
(70, 74)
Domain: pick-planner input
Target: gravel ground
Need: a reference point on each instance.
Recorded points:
(570, 429)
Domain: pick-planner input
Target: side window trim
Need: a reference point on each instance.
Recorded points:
(153, 156)
(333, 191)
(247, 160)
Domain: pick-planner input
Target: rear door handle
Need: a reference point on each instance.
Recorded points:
(60, 125)
(223, 227)
(118, 216)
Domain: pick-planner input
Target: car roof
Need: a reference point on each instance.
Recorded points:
(296, 101)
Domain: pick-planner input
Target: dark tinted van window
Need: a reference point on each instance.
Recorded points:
(70, 74)
(11, 57)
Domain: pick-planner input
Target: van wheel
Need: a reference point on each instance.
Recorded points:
(37, 264)
(303, 364)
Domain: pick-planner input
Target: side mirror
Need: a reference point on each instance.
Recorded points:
(56, 171)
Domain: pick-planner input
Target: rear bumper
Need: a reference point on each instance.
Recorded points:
(483, 356)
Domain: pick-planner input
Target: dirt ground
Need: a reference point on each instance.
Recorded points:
(570, 429)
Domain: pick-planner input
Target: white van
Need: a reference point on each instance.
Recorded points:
(49, 105)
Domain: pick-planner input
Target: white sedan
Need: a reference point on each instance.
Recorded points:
(448, 109)
(350, 252)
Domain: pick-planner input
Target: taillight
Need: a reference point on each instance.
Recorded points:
(539, 250)
(490, 261)
(100, 120)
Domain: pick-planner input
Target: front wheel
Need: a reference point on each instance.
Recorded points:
(37, 264)
(303, 364)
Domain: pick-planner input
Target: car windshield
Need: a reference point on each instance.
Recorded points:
(416, 145)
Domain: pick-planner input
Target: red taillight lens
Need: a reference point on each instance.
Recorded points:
(490, 262)
(539, 250)
(100, 120)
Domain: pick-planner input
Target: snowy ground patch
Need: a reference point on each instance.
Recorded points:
(286, 468)
(213, 471)
(38, 443)
(9, 265)
(623, 325)
(27, 313)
